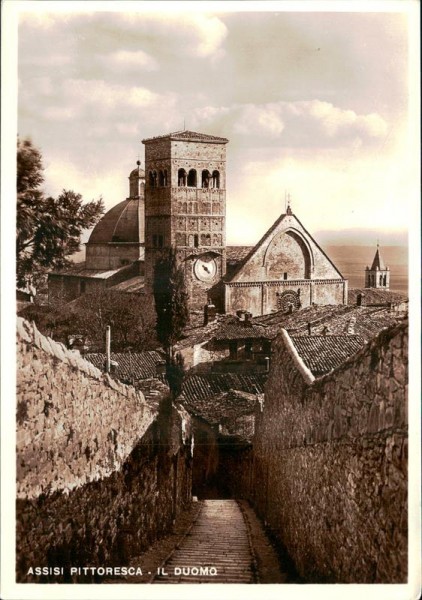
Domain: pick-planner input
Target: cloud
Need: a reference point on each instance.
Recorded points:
(126, 59)
(307, 123)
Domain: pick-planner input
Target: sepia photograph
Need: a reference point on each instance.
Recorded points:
(208, 276)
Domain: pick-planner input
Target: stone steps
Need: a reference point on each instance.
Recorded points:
(219, 541)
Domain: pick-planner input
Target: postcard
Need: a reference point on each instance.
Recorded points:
(217, 242)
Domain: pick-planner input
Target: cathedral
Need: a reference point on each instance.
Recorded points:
(180, 201)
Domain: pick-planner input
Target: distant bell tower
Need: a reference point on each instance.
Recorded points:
(378, 276)
(185, 207)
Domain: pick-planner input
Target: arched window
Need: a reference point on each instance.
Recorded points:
(206, 179)
(151, 179)
(192, 178)
(181, 178)
(215, 179)
(165, 177)
(385, 280)
(380, 279)
(161, 178)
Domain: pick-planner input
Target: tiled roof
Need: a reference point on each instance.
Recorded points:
(131, 366)
(365, 321)
(234, 329)
(375, 296)
(321, 354)
(192, 136)
(235, 254)
(80, 270)
(132, 286)
(222, 407)
(201, 387)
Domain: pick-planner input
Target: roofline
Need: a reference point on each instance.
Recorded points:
(244, 260)
(300, 364)
(178, 136)
(319, 248)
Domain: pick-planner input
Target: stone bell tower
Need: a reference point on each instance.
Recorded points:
(185, 207)
(378, 276)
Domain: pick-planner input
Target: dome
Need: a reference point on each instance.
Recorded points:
(138, 172)
(123, 223)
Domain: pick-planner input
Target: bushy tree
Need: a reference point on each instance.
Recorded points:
(48, 230)
(132, 321)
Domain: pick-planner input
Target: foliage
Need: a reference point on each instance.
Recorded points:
(132, 321)
(48, 229)
(171, 300)
(175, 373)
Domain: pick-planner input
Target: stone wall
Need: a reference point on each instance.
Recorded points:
(330, 463)
(101, 471)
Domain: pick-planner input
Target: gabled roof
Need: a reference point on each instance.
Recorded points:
(378, 262)
(266, 235)
(201, 387)
(191, 136)
(321, 354)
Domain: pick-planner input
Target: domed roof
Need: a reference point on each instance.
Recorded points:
(123, 223)
(138, 172)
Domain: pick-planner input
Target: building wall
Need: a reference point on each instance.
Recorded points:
(262, 298)
(112, 256)
(330, 463)
(101, 472)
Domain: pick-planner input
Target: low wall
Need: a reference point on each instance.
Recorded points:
(101, 472)
(330, 463)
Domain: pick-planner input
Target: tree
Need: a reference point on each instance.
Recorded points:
(171, 306)
(48, 230)
(171, 300)
(132, 321)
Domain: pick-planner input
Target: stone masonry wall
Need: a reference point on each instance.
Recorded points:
(101, 471)
(330, 463)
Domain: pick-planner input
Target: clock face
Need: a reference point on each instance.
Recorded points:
(205, 268)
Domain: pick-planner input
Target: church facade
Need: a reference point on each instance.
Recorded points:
(286, 270)
(180, 202)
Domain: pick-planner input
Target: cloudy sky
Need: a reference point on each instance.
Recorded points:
(315, 104)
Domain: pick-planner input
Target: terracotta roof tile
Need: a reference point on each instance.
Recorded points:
(202, 387)
(225, 407)
(131, 366)
(376, 296)
(321, 354)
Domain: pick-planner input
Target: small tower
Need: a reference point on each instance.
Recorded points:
(378, 276)
(137, 182)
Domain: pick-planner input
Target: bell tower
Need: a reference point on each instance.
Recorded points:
(185, 207)
(378, 276)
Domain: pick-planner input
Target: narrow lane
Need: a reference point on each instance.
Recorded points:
(217, 549)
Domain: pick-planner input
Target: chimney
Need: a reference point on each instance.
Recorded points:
(309, 329)
(360, 300)
(210, 312)
(240, 315)
(248, 317)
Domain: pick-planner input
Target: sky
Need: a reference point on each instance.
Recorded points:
(315, 104)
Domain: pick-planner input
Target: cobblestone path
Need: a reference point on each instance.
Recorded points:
(216, 549)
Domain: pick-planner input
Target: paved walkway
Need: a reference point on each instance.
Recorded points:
(216, 549)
